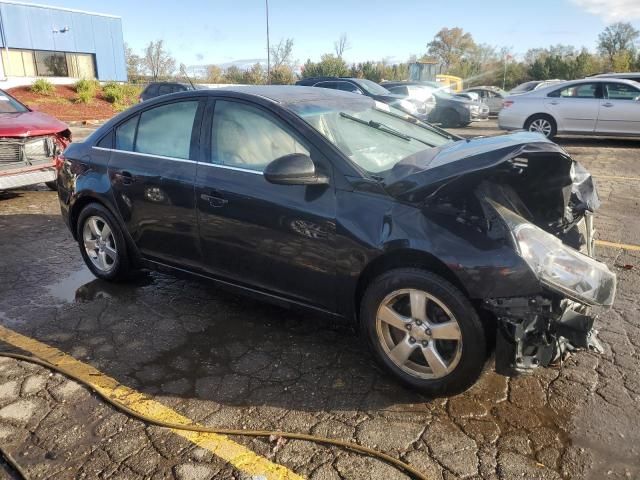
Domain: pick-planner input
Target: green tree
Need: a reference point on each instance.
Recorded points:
(282, 75)
(616, 38)
(449, 46)
(329, 66)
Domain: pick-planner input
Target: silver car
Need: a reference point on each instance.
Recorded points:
(593, 106)
(493, 97)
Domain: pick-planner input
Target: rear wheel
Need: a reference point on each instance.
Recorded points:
(102, 243)
(424, 331)
(543, 124)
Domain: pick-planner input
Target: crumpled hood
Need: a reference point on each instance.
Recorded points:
(424, 172)
(29, 124)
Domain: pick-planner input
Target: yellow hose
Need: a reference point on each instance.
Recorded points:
(399, 464)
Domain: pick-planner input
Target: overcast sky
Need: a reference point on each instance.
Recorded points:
(223, 31)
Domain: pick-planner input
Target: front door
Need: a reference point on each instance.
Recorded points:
(619, 110)
(575, 107)
(275, 238)
(152, 171)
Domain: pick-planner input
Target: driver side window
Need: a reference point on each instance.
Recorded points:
(247, 137)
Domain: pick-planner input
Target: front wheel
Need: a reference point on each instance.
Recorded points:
(450, 118)
(102, 243)
(423, 331)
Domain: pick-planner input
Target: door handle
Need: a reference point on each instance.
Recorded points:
(608, 104)
(555, 102)
(124, 177)
(215, 202)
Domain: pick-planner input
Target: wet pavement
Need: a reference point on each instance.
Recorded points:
(224, 360)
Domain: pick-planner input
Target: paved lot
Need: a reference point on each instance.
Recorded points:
(227, 361)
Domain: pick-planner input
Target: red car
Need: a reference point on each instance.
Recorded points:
(30, 143)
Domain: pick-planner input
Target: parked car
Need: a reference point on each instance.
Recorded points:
(474, 97)
(532, 85)
(30, 143)
(594, 106)
(635, 76)
(362, 86)
(449, 110)
(336, 203)
(155, 89)
(493, 97)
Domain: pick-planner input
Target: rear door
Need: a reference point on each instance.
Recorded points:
(152, 170)
(575, 107)
(275, 238)
(619, 110)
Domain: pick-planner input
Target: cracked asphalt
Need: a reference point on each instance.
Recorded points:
(227, 361)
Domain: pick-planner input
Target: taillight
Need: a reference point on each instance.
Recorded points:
(507, 103)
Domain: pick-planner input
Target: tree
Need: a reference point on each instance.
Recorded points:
(282, 53)
(449, 46)
(158, 62)
(255, 75)
(616, 38)
(341, 45)
(282, 75)
(328, 66)
(134, 62)
(215, 74)
(233, 75)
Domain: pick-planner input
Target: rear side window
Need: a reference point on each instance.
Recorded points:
(166, 130)
(399, 90)
(621, 91)
(126, 134)
(332, 85)
(152, 90)
(348, 87)
(165, 89)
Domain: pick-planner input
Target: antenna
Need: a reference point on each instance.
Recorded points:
(183, 71)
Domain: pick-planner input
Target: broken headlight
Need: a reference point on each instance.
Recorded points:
(558, 266)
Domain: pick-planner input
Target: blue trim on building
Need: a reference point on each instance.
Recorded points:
(32, 28)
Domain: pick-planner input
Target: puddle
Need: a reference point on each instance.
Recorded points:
(84, 286)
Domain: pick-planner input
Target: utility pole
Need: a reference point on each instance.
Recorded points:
(266, 2)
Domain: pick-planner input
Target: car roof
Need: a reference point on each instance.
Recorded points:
(623, 75)
(288, 94)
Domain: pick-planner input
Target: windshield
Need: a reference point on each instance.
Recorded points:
(9, 104)
(372, 87)
(373, 135)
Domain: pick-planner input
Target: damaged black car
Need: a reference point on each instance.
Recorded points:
(433, 245)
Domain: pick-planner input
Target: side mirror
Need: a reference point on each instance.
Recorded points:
(294, 169)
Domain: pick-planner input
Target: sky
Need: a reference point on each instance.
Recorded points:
(199, 32)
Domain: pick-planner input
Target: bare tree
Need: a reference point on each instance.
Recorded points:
(341, 45)
(134, 62)
(282, 53)
(158, 61)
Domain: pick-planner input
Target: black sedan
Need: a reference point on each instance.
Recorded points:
(344, 206)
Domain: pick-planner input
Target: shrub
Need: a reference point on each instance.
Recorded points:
(122, 95)
(85, 96)
(42, 87)
(85, 85)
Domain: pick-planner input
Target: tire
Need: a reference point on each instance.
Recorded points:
(395, 296)
(52, 185)
(542, 123)
(108, 260)
(450, 118)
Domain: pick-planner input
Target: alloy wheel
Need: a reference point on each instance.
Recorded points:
(419, 333)
(541, 125)
(99, 243)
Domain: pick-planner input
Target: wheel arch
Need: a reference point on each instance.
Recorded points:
(539, 114)
(403, 258)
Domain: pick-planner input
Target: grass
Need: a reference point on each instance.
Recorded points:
(42, 87)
